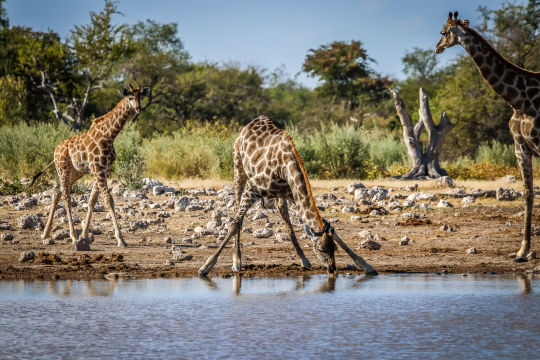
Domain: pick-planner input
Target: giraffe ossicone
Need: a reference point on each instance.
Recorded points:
(92, 152)
(267, 165)
(520, 88)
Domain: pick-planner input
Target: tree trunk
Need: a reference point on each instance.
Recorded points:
(425, 163)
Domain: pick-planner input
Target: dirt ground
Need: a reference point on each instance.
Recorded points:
(492, 227)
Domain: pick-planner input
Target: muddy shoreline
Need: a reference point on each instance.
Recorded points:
(440, 238)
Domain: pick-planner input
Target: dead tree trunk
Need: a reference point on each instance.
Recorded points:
(425, 162)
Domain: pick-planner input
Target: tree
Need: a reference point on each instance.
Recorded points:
(157, 57)
(4, 21)
(345, 71)
(425, 162)
(93, 52)
(514, 30)
(420, 63)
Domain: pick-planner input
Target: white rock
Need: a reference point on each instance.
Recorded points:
(443, 204)
(472, 251)
(370, 244)
(404, 241)
(263, 233)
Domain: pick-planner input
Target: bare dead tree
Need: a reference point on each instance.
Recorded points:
(425, 163)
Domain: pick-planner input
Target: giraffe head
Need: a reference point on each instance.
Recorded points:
(324, 245)
(134, 96)
(449, 32)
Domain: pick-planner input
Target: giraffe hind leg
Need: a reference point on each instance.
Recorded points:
(57, 194)
(91, 203)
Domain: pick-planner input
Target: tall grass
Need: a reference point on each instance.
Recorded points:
(25, 149)
(195, 153)
(206, 152)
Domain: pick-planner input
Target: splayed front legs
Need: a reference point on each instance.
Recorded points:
(358, 260)
(248, 198)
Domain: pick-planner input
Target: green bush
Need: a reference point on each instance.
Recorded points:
(385, 151)
(333, 152)
(27, 149)
(496, 153)
(195, 153)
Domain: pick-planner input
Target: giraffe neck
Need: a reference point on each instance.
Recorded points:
(112, 123)
(303, 196)
(506, 79)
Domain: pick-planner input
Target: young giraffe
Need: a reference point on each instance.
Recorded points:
(520, 88)
(267, 165)
(92, 152)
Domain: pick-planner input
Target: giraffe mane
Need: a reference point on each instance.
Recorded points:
(308, 185)
(498, 54)
(100, 119)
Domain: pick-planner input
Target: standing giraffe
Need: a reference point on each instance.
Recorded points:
(92, 152)
(267, 165)
(520, 88)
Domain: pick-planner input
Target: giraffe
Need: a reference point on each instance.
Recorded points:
(267, 165)
(520, 88)
(92, 152)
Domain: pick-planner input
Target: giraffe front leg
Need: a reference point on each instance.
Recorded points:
(237, 255)
(284, 212)
(248, 198)
(109, 203)
(91, 203)
(54, 203)
(524, 158)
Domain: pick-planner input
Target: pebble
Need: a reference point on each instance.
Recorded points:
(48, 241)
(263, 233)
(83, 244)
(6, 237)
(29, 221)
(26, 256)
(444, 204)
(472, 251)
(370, 244)
(404, 241)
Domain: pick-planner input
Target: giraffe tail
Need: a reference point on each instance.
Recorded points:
(39, 174)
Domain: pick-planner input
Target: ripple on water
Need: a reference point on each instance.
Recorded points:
(388, 316)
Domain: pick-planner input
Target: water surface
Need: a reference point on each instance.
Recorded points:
(388, 316)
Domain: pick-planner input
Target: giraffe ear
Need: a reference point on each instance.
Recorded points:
(124, 92)
(466, 22)
(145, 91)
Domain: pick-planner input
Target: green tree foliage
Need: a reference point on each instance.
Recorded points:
(345, 72)
(514, 30)
(12, 100)
(477, 111)
(157, 57)
(420, 64)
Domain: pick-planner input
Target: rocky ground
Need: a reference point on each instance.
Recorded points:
(397, 226)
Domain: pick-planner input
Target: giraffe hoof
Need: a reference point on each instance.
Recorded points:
(203, 272)
(236, 268)
(520, 259)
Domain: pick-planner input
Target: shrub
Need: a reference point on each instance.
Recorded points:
(191, 153)
(26, 150)
(496, 153)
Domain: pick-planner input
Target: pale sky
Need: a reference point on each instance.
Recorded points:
(272, 34)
